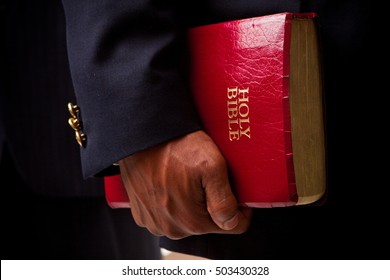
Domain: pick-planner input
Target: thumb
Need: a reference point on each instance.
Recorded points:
(221, 203)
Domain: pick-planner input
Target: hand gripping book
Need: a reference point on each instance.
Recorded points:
(257, 84)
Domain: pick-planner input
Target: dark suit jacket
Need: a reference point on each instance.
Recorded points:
(34, 90)
(49, 210)
(131, 57)
(127, 60)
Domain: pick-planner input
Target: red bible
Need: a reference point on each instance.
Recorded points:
(257, 85)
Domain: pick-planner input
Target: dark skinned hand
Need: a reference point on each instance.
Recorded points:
(181, 188)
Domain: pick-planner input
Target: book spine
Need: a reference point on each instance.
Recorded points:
(286, 109)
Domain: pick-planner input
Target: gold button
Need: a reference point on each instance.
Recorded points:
(73, 109)
(81, 138)
(75, 123)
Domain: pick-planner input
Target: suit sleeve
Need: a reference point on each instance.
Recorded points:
(128, 74)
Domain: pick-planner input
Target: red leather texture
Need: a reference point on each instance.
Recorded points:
(240, 81)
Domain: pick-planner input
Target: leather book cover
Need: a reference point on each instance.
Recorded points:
(116, 195)
(241, 82)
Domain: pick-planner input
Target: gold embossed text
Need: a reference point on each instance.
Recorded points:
(238, 113)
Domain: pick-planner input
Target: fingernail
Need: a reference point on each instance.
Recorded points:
(231, 224)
